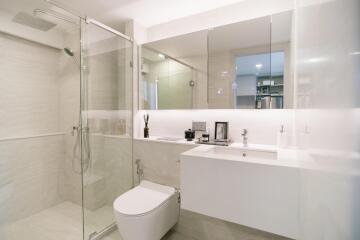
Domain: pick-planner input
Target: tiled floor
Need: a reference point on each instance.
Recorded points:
(61, 222)
(64, 222)
(171, 235)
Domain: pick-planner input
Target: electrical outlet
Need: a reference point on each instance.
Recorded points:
(199, 126)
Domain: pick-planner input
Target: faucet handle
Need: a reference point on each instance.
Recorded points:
(244, 132)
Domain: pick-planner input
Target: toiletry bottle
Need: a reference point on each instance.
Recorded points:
(146, 128)
(206, 136)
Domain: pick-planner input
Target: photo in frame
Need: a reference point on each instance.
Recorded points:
(221, 131)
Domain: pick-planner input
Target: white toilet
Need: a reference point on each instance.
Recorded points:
(147, 212)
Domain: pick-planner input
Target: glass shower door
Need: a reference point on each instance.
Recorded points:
(107, 124)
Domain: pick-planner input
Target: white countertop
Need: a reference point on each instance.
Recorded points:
(175, 140)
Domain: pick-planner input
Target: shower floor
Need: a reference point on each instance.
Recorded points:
(63, 222)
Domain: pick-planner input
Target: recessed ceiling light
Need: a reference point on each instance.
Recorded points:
(162, 56)
(258, 66)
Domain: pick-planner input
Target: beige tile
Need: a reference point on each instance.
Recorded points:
(63, 221)
(160, 161)
(29, 87)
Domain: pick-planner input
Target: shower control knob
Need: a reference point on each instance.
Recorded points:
(74, 129)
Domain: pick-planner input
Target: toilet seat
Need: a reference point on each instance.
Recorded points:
(132, 202)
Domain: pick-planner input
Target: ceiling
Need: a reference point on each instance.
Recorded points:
(115, 12)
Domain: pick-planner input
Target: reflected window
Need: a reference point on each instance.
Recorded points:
(259, 81)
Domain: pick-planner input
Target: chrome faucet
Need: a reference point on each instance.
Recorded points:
(245, 138)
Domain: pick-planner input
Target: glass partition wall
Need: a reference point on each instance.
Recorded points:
(66, 123)
(107, 121)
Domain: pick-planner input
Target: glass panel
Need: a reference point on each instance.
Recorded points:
(40, 170)
(239, 60)
(107, 124)
(166, 83)
(282, 79)
(174, 73)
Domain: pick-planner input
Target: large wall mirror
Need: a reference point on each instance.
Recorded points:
(245, 65)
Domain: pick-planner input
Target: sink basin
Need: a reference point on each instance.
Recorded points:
(236, 153)
(241, 153)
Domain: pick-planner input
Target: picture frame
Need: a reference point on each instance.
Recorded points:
(221, 131)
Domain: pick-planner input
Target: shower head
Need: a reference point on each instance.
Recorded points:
(69, 52)
(28, 20)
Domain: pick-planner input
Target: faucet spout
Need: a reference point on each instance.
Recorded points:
(245, 138)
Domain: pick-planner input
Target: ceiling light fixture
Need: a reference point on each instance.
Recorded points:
(259, 66)
(162, 56)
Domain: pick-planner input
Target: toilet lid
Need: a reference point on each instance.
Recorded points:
(143, 198)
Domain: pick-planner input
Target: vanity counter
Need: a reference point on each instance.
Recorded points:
(173, 140)
(249, 186)
(176, 140)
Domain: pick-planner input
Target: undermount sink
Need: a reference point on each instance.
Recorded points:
(240, 153)
(235, 153)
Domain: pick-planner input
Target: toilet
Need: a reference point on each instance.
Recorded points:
(147, 212)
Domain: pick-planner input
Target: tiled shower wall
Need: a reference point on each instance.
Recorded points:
(40, 95)
(30, 168)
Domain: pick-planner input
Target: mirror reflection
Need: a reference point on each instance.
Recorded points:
(166, 82)
(239, 55)
(178, 68)
(245, 65)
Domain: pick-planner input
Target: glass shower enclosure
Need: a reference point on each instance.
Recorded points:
(66, 122)
(107, 121)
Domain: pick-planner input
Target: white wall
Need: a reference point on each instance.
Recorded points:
(327, 118)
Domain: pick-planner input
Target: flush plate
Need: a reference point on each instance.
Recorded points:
(199, 126)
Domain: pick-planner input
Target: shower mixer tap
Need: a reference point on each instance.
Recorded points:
(74, 129)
